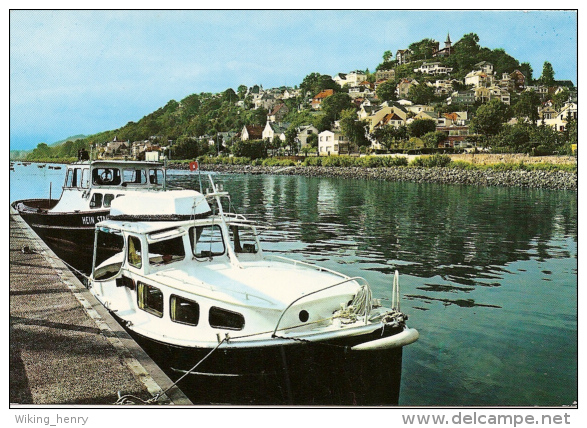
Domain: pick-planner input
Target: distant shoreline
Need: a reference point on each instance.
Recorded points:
(525, 178)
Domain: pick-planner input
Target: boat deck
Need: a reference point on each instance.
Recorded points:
(65, 348)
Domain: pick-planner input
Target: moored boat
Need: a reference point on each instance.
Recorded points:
(67, 224)
(193, 286)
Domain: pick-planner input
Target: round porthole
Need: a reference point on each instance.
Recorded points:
(304, 316)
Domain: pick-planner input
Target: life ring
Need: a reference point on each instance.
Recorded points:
(194, 166)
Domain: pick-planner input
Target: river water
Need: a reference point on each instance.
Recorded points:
(488, 275)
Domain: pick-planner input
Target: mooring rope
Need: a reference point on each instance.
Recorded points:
(125, 399)
(28, 250)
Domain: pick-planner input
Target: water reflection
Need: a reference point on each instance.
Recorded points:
(464, 234)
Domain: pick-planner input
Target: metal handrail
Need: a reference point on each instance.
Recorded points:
(356, 278)
(310, 265)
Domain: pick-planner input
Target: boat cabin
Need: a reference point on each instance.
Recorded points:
(170, 261)
(100, 182)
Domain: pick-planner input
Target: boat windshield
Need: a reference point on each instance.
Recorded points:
(106, 176)
(243, 239)
(77, 177)
(206, 241)
(166, 251)
(109, 254)
(134, 176)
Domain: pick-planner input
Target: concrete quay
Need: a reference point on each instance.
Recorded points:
(65, 348)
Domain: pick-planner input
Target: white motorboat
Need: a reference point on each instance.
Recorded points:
(67, 224)
(192, 284)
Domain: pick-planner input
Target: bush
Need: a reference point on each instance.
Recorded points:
(463, 165)
(278, 162)
(431, 161)
(331, 161)
(313, 161)
(390, 161)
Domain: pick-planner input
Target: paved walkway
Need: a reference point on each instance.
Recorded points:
(65, 348)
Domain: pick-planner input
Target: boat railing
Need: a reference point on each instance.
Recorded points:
(310, 265)
(357, 279)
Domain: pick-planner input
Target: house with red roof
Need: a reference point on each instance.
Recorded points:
(318, 98)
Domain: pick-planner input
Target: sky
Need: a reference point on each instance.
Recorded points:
(78, 72)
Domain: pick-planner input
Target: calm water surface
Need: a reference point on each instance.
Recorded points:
(488, 275)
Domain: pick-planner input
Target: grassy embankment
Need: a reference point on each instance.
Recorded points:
(468, 162)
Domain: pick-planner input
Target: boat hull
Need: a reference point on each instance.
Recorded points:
(70, 235)
(302, 373)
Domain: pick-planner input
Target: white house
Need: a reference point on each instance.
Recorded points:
(333, 143)
(559, 122)
(393, 116)
(303, 133)
(274, 130)
(485, 67)
(433, 68)
(353, 78)
(479, 79)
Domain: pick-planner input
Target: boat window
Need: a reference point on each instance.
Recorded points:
(167, 251)
(156, 176)
(106, 176)
(134, 252)
(134, 176)
(96, 201)
(85, 178)
(184, 311)
(73, 177)
(243, 239)
(222, 318)
(109, 256)
(150, 299)
(68, 178)
(206, 241)
(108, 197)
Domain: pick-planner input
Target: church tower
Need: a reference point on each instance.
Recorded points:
(447, 43)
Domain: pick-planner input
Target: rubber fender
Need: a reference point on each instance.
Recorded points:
(409, 335)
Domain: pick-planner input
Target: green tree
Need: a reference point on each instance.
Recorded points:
(502, 62)
(386, 91)
(253, 149)
(333, 105)
(229, 96)
(527, 106)
(516, 138)
(433, 139)
(354, 129)
(527, 71)
(547, 77)
(40, 152)
(559, 99)
(465, 56)
(241, 91)
(290, 138)
(419, 127)
(312, 141)
(390, 136)
(490, 118)
(387, 56)
(314, 83)
(423, 49)
(421, 94)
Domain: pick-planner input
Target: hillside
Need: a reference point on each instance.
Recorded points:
(204, 116)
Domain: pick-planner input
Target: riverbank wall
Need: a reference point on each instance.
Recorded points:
(540, 179)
